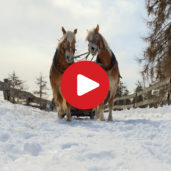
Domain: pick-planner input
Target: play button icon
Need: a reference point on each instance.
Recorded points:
(84, 85)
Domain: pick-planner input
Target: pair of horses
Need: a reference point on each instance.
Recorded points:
(64, 57)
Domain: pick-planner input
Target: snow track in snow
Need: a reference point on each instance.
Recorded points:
(138, 140)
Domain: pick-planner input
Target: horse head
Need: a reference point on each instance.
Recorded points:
(66, 45)
(95, 40)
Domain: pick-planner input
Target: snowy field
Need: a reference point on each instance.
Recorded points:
(1, 95)
(34, 140)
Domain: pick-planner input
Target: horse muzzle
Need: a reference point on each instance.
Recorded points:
(93, 49)
(69, 58)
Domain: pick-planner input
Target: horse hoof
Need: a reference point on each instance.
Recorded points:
(102, 119)
(95, 118)
(109, 119)
(61, 116)
(68, 119)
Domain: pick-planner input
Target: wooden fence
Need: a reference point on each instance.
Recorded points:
(15, 95)
(125, 102)
(163, 96)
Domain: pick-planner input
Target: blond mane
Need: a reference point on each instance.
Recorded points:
(69, 36)
(90, 35)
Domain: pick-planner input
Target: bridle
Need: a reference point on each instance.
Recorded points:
(113, 63)
(64, 49)
(69, 48)
(97, 42)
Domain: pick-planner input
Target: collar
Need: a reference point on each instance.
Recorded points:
(111, 65)
(56, 63)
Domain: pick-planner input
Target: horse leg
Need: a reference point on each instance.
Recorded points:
(59, 109)
(111, 104)
(110, 110)
(60, 113)
(101, 110)
(58, 100)
(68, 113)
(97, 113)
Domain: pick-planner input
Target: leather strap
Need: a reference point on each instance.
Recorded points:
(113, 63)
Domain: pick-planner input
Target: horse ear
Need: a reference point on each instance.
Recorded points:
(97, 28)
(75, 31)
(63, 30)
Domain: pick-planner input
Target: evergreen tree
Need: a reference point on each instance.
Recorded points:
(15, 82)
(138, 88)
(122, 90)
(157, 56)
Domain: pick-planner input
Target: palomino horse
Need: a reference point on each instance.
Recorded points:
(63, 58)
(106, 59)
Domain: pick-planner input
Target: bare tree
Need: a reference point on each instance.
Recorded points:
(42, 86)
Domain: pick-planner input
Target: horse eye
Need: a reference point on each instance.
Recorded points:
(97, 36)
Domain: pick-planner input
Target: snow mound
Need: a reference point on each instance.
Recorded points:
(137, 140)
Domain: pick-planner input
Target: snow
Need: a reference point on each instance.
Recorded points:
(137, 140)
(1, 95)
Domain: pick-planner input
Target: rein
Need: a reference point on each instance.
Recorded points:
(56, 64)
(78, 56)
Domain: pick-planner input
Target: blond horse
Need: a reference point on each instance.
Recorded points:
(106, 59)
(63, 58)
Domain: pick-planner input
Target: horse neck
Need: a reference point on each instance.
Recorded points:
(59, 61)
(104, 54)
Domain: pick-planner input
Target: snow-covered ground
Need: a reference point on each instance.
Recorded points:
(1, 95)
(34, 140)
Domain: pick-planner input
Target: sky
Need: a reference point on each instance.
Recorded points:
(30, 30)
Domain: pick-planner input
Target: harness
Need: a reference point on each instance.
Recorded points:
(114, 62)
(56, 63)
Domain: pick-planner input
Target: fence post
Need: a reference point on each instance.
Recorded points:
(28, 100)
(135, 100)
(124, 103)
